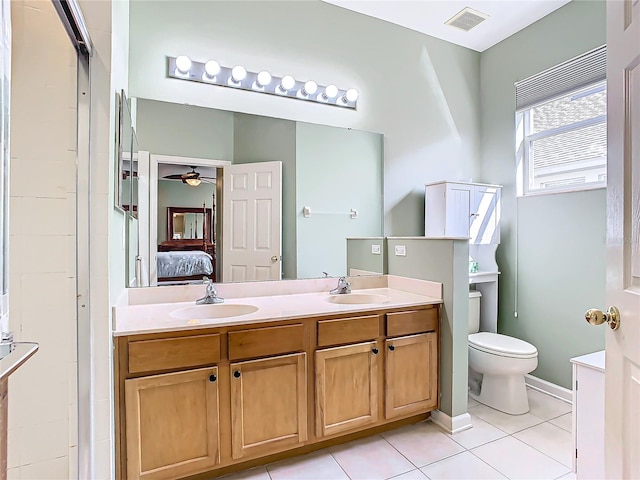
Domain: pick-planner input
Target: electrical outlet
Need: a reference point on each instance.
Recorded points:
(375, 249)
(401, 250)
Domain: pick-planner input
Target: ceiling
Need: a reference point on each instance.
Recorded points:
(506, 17)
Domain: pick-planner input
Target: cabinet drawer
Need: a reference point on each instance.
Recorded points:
(260, 342)
(408, 323)
(169, 353)
(348, 330)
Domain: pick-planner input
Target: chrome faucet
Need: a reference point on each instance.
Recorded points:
(343, 287)
(211, 295)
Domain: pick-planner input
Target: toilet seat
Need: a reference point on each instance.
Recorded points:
(502, 345)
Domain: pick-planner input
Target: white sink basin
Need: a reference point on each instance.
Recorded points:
(217, 310)
(357, 298)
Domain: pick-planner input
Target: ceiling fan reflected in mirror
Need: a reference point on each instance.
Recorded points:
(192, 178)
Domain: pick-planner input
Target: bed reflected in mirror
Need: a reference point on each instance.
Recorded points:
(188, 253)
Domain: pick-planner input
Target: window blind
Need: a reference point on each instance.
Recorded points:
(583, 70)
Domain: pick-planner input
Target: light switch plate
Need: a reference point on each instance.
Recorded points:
(375, 249)
(401, 250)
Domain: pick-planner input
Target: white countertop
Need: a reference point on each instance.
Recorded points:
(594, 360)
(156, 317)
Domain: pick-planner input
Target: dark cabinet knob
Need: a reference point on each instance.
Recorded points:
(392, 348)
(375, 351)
(236, 374)
(212, 378)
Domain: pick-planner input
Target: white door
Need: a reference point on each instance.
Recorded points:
(622, 372)
(252, 222)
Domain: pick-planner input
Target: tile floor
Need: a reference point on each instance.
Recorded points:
(536, 445)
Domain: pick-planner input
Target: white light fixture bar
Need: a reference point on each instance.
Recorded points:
(212, 73)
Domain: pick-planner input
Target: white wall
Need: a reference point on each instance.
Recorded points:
(42, 395)
(420, 92)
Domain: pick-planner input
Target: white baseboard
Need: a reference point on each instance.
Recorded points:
(451, 425)
(549, 388)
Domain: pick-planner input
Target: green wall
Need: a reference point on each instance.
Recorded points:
(264, 139)
(422, 93)
(173, 193)
(337, 169)
(184, 130)
(445, 261)
(360, 256)
(553, 245)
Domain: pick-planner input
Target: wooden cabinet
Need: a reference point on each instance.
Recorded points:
(198, 401)
(411, 374)
(456, 209)
(346, 387)
(172, 424)
(268, 404)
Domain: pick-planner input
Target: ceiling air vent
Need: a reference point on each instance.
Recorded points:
(466, 19)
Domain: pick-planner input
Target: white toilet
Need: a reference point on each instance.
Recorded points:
(501, 362)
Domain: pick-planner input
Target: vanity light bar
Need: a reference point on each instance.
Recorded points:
(213, 73)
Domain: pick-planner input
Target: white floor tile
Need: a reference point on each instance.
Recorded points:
(471, 403)
(517, 460)
(462, 466)
(505, 422)
(550, 440)
(371, 458)
(545, 406)
(259, 473)
(314, 466)
(481, 433)
(563, 421)
(423, 443)
(412, 475)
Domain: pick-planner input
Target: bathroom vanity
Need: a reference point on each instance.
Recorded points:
(199, 394)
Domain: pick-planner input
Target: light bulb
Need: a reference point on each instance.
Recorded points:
(211, 68)
(330, 92)
(238, 73)
(287, 82)
(310, 87)
(193, 182)
(183, 64)
(351, 95)
(263, 79)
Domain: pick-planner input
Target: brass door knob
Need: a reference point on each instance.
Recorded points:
(598, 317)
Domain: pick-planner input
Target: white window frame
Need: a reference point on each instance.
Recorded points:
(523, 147)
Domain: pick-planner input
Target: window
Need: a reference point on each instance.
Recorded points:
(561, 126)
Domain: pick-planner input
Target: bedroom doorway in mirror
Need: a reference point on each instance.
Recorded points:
(208, 218)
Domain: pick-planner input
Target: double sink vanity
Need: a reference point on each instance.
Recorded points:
(277, 369)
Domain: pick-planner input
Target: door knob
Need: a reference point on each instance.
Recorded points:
(274, 258)
(598, 317)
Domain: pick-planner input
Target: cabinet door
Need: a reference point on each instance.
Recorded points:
(268, 404)
(346, 388)
(411, 375)
(485, 215)
(172, 424)
(459, 198)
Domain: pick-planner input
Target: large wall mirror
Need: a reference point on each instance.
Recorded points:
(315, 185)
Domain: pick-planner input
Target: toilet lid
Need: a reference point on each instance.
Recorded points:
(502, 345)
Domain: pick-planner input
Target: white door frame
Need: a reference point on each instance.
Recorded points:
(151, 223)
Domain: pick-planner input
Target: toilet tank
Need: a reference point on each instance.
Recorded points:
(474, 311)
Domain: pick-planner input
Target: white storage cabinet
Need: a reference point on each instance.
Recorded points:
(588, 415)
(457, 209)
